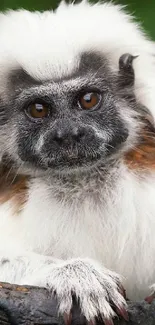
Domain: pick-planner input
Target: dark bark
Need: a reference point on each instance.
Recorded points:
(36, 306)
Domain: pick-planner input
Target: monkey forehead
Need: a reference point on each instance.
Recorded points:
(49, 44)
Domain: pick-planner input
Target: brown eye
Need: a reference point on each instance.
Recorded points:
(89, 100)
(38, 111)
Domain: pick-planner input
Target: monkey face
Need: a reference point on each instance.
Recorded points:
(73, 122)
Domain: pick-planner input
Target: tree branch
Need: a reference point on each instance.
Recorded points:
(35, 306)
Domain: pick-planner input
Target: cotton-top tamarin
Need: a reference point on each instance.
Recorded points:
(77, 156)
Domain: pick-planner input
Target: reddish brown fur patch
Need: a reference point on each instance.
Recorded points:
(142, 157)
(13, 187)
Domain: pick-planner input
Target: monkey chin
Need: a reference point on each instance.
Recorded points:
(80, 166)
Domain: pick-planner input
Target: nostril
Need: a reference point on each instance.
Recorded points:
(58, 137)
(74, 134)
(78, 134)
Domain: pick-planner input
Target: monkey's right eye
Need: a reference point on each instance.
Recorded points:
(37, 111)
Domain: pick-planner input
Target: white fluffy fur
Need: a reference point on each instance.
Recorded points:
(117, 230)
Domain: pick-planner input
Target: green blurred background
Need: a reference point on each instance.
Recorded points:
(144, 10)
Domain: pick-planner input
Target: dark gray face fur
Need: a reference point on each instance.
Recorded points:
(69, 136)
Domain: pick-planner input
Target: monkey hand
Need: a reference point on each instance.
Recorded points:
(98, 290)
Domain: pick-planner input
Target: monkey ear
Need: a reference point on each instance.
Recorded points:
(125, 61)
(126, 71)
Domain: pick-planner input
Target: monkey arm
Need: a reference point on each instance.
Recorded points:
(32, 305)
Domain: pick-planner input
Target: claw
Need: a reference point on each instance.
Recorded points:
(150, 298)
(67, 318)
(122, 292)
(92, 322)
(108, 322)
(123, 312)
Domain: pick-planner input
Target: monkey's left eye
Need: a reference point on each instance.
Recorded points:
(90, 100)
(37, 111)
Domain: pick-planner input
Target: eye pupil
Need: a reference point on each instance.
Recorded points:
(39, 107)
(89, 100)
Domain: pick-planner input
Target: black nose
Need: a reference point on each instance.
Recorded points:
(67, 135)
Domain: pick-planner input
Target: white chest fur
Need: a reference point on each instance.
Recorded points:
(113, 223)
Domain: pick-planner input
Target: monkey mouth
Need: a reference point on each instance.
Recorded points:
(73, 160)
